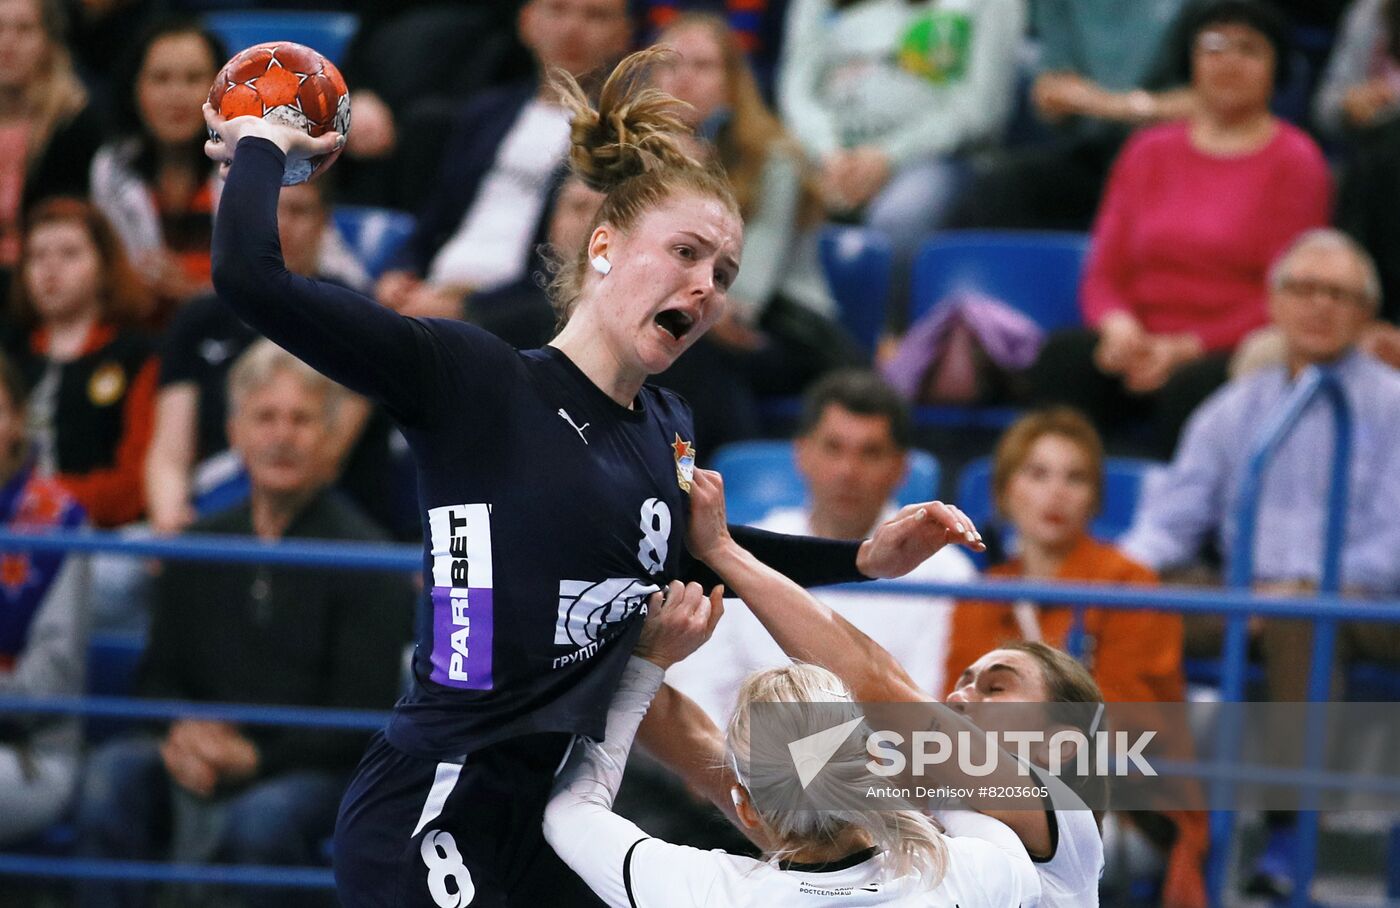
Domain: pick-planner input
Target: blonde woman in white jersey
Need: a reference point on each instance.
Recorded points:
(1060, 834)
(887, 858)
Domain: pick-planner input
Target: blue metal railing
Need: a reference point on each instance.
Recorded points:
(171, 710)
(364, 556)
(1314, 383)
(1236, 603)
(28, 865)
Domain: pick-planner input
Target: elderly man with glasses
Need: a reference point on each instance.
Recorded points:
(1324, 295)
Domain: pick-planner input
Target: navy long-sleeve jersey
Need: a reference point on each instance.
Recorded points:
(550, 512)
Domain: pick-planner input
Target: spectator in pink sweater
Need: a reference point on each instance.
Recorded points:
(1193, 214)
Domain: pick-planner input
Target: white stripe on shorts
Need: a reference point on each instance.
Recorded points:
(443, 783)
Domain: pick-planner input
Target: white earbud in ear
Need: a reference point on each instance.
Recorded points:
(601, 264)
(736, 796)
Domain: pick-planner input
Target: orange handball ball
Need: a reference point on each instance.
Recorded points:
(289, 84)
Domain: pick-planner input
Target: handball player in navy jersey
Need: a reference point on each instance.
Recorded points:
(553, 485)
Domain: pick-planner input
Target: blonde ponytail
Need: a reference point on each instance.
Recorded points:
(633, 130)
(910, 840)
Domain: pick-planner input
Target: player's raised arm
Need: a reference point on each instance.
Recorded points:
(345, 335)
(810, 631)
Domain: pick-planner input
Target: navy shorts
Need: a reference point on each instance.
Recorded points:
(414, 833)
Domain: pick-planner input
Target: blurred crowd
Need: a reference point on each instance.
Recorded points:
(1234, 163)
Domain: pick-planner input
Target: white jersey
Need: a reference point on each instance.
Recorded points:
(1069, 876)
(628, 869)
(979, 873)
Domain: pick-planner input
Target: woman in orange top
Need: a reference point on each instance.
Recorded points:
(1047, 482)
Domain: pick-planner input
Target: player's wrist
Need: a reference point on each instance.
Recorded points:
(261, 129)
(643, 674)
(720, 553)
(865, 560)
(653, 659)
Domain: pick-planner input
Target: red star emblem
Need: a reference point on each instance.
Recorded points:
(682, 448)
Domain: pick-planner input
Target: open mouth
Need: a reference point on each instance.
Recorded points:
(675, 322)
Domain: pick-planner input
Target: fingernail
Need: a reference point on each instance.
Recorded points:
(960, 528)
(923, 512)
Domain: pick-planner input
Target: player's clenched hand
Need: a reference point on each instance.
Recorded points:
(678, 622)
(297, 145)
(910, 537)
(709, 529)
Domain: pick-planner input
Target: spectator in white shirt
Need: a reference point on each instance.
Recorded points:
(503, 165)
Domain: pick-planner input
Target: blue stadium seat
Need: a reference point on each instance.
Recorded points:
(112, 661)
(329, 33)
(373, 234)
(1123, 482)
(1036, 272)
(856, 261)
(761, 475)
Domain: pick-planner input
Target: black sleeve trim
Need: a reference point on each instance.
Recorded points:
(805, 559)
(1054, 825)
(627, 873)
(1050, 821)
